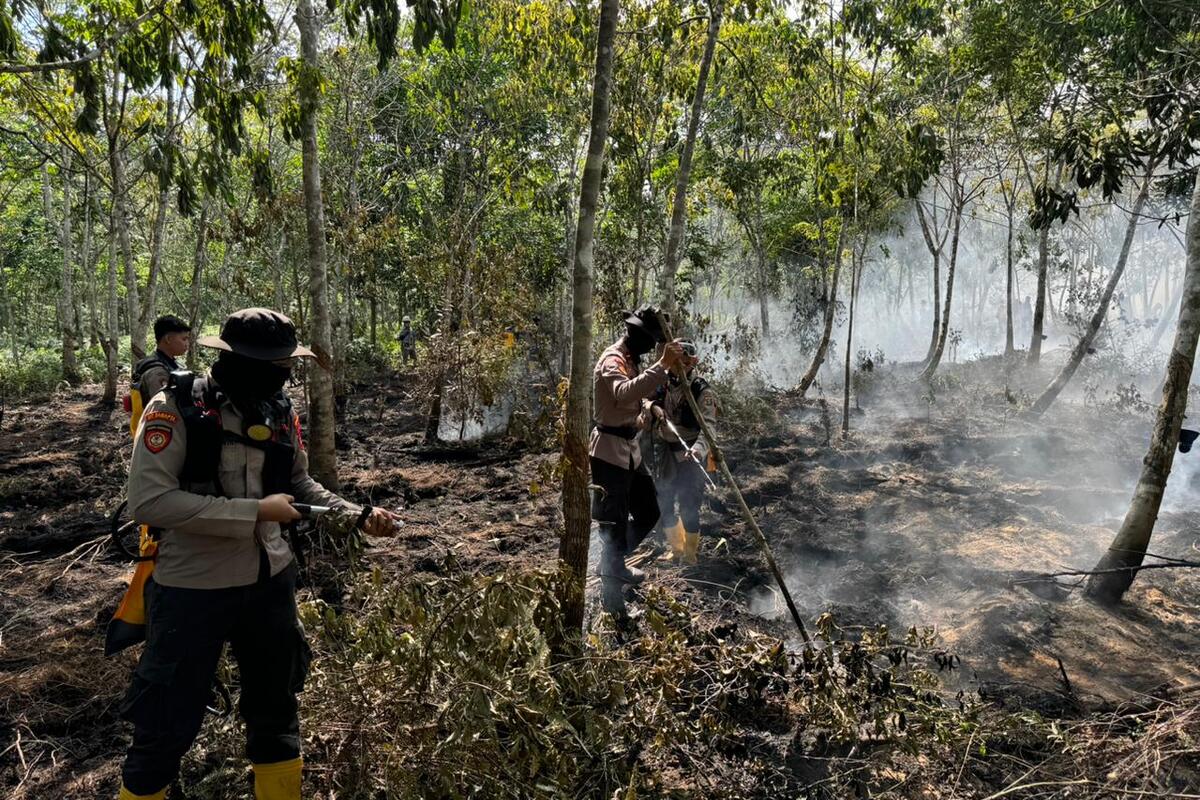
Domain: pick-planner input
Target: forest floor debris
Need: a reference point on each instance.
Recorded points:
(920, 518)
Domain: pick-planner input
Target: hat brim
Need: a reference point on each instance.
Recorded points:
(259, 353)
(654, 330)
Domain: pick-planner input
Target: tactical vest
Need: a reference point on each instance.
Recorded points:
(135, 401)
(274, 429)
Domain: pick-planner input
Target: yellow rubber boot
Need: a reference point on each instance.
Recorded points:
(125, 794)
(691, 547)
(278, 781)
(675, 541)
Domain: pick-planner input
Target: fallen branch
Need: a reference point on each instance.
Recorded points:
(715, 450)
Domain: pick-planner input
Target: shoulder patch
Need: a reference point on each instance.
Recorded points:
(161, 416)
(156, 437)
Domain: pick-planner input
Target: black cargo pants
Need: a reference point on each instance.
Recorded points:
(186, 633)
(625, 498)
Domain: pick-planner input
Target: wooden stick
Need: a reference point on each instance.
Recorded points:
(715, 449)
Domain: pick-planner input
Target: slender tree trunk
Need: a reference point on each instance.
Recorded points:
(112, 335)
(120, 211)
(1039, 307)
(679, 200)
(818, 358)
(88, 263)
(1085, 342)
(66, 296)
(764, 308)
(576, 508)
(1009, 349)
(936, 358)
(158, 235)
(277, 265)
(199, 262)
(1129, 547)
(934, 245)
(855, 271)
(322, 455)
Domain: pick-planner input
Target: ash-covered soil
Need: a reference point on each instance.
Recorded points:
(926, 514)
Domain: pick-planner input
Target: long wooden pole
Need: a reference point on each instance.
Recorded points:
(715, 450)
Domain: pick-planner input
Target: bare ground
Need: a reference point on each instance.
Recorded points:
(925, 515)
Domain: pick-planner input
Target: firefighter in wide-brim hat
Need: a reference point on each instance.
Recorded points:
(624, 502)
(217, 463)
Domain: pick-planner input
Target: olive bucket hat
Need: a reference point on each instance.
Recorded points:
(258, 333)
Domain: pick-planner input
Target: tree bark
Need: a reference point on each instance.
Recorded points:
(1085, 342)
(1129, 547)
(855, 270)
(818, 358)
(199, 262)
(66, 295)
(1039, 306)
(120, 204)
(1009, 348)
(679, 200)
(322, 455)
(110, 341)
(934, 245)
(576, 506)
(936, 357)
(141, 325)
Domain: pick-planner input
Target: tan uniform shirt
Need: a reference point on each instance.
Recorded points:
(154, 378)
(618, 394)
(209, 541)
(674, 405)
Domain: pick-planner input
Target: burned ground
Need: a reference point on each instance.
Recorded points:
(926, 515)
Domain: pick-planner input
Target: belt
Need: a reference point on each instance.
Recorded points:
(624, 431)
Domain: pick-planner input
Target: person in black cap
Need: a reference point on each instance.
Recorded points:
(624, 502)
(217, 463)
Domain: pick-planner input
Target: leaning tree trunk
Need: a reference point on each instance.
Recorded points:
(1128, 549)
(322, 455)
(936, 357)
(1039, 307)
(679, 201)
(577, 523)
(818, 358)
(1085, 342)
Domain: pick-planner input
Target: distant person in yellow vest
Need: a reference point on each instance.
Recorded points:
(217, 463)
(172, 338)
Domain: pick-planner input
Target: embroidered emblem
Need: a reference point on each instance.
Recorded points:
(160, 416)
(157, 437)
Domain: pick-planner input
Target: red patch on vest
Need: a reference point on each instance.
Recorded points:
(161, 416)
(156, 438)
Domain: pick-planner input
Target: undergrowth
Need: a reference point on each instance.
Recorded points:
(461, 686)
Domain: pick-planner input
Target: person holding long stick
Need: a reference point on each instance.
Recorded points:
(684, 465)
(624, 501)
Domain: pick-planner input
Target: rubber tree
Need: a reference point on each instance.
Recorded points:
(1084, 345)
(576, 508)
(1118, 566)
(322, 455)
(679, 199)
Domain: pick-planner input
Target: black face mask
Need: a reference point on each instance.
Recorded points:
(248, 381)
(638, 341)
